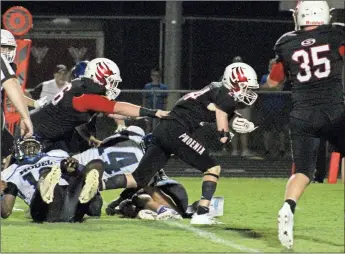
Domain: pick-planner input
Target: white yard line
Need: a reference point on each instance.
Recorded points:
(211, 236)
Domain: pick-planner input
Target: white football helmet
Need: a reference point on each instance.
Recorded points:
(7, 39)
(311, 13)
(105, 73)
(240, 79)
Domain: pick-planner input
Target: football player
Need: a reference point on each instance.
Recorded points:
(94, 93)
(162, 199)
(36, 178)
(312, 58)
(217, 102)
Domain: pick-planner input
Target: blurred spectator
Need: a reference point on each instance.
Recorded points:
(155, 99)
(240, 141)
(51, 87)
(274, 113)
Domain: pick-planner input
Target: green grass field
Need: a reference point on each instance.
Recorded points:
(250, 216)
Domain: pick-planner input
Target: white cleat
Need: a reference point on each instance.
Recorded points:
(90, 187)
(285, 226)
(47, 184)
(146, 214)
(203, 219)
(169, 214)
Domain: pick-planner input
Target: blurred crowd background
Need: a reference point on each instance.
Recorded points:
(165, 50)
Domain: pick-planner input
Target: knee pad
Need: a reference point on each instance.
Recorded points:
(214, 171)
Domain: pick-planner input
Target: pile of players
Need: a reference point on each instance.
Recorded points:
(62, 188)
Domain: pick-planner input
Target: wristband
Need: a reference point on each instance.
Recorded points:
(147, 112)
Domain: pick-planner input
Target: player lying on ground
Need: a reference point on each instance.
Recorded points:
(78, 101)
(312, 57)
(174, 135)
(163, 199)
(51, 184)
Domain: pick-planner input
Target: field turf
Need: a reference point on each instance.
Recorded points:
(250, 224)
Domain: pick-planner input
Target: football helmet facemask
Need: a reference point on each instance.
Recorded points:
(27, 149)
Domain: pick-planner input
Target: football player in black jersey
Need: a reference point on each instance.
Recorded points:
(312, 58)
(217, 102)
(78, 101)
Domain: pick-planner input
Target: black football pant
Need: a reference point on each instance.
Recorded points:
(66, 206)
(307, 129)
(170, 137)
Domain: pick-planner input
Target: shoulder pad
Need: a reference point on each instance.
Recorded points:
(338, 24)
(285, 37)
(58, 153)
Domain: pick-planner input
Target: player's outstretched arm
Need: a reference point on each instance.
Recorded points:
(97, 103)
(131, 110)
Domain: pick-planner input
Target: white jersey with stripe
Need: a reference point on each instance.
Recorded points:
(7, 71)
(25, 176)
(120, 155)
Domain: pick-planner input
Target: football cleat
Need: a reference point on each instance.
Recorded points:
(146, 214)
(285, 226)
(48, 182)
(203, 219)
(169, 214)
(90, 187)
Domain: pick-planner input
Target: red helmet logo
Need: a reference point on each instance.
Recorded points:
(102, 71)
(237, 76)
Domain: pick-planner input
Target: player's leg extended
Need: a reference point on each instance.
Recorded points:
(153, 160)
(47, 182)
(304, 150)
(194, 153)
(93, 178)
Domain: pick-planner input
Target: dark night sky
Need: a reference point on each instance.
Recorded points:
(153, 8)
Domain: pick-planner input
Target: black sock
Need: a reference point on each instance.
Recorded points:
(116, 182)
(202, 209)
(292, 205)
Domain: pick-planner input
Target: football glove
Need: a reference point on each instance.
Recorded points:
(242, 125)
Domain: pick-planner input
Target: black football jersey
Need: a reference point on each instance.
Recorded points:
(313, 64)
(57, 120)
(192, 109)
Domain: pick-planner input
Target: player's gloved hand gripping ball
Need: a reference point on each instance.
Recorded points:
(242, 125)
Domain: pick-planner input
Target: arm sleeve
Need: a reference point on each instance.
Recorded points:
(277, 73)
(93, 102)
(227, 104)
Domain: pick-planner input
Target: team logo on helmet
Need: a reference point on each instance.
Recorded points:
(237, 76)
(103, 71)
